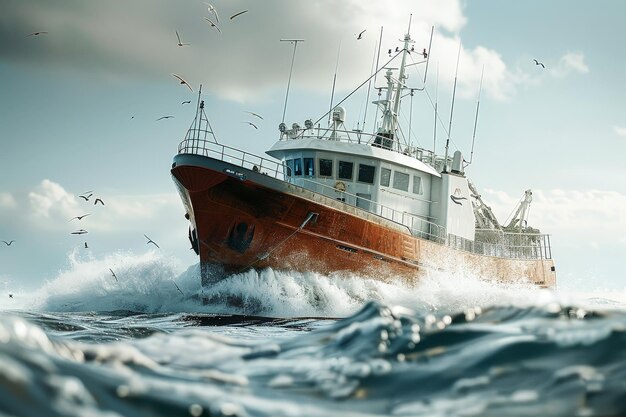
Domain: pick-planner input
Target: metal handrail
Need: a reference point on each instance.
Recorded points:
(233, 155)
(354, 136)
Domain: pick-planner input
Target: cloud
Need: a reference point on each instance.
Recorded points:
(619, 130)
(572, 62)
(121, 40)
(7, 201)
(49, 200)
(590, 215)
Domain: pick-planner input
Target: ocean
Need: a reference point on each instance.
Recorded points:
(275, 343)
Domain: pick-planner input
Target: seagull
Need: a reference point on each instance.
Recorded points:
(183, 82)
(424, 53)
(179, 41)
(178, 288)
(164, 117)
(10, 295)
(8, 243)
(114, 276)
(212, 10)
(254, 114)
(237, 14)
(86, 247)
(389, 52)
(213, 24)
(186, 102)
(251, 124)
(36, 34)
(79, 232)
(79, 217)
(96, 202)
(360, 36)
(85, 197)
(151, 241)
(539, 63)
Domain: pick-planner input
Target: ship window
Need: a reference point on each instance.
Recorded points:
(366, 173)
(297, 166)
(289, 163)
(363, 201)
(345, 170)
(326, 168)
(400, 181)
(417, 185)
(385, 177)
(309, 167)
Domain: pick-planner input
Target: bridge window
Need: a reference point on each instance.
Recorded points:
(345, 170)
(417, 185)
(326, 168)
(366, 173)
(400, 181)
(309, 167)
(289, 163)
(297, 167)
(385, 176)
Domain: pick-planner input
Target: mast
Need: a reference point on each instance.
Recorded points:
(293, 57)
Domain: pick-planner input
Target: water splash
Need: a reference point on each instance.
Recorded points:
(153, 283)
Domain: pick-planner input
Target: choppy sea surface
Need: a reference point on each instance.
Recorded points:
(274, 343)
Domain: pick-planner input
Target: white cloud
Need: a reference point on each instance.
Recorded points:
(7, 201)
(246, 59)
(590, 216)
(572, 62)
(619, 130)
(50, 201)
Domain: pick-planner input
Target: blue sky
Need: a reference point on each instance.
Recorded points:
(78, 110)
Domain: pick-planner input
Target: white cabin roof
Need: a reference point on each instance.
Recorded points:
(358, 149)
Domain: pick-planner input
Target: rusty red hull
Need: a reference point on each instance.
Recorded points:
(244, 219)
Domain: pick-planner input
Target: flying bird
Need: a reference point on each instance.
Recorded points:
(151, 241)
(213, 24)
(254, 114)
(8, 243)
(212, 10)
(79, 217)
(86, 247)
(183, 82)
(114, 276)
(539, 63)
(186, 102)
(79, 232)
(10, 295)
(360, 36)
(96, 202)
(164, 117)
(178, 288)
(251, 124)
(237, 14)
(86, 197)
(179, 41)
(36, 34)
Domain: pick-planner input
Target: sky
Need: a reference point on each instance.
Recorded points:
(79, 108)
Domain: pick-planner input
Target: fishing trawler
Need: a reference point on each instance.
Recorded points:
(332, 200)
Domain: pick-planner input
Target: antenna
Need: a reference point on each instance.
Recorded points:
(445, 161)
(332, 93)
(369, 84)
(476, 119)
(293, 57)
(432, 30)
(436, 115)
(380, 42)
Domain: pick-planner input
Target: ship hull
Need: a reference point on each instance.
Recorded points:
(244, 219)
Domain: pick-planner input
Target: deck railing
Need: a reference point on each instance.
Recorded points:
(234, 156)
(495, 243)
(357, 136)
